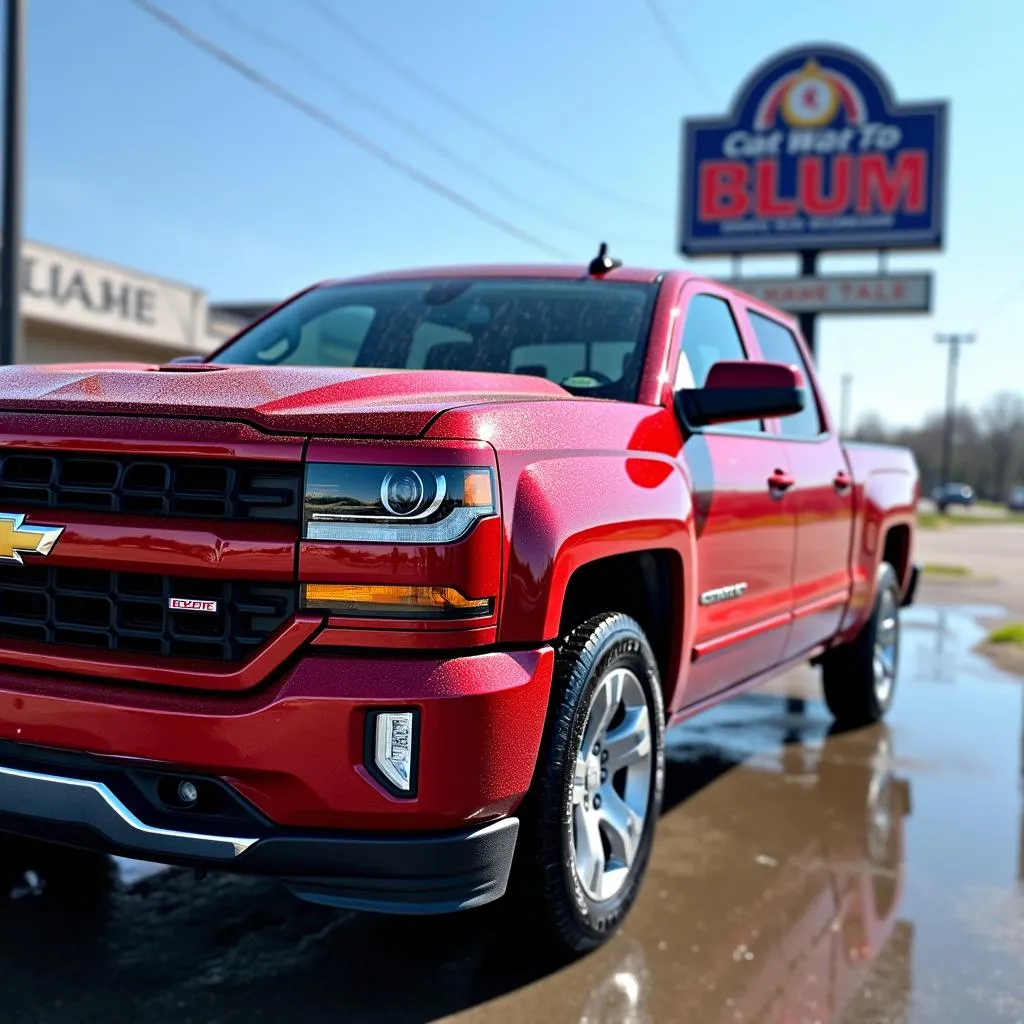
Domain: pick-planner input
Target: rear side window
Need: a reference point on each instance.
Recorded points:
(710, 336)
(778, 345)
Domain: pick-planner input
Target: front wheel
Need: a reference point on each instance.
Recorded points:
(592, 813)
(860, 676)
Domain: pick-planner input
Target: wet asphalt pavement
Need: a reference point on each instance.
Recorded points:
(798, 876)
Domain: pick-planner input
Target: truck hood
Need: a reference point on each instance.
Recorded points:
(352, 402)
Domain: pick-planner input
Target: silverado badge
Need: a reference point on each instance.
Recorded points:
(18, 538)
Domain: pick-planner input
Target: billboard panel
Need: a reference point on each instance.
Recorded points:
(815, 154)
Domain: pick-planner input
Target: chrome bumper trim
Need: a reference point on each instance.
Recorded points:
(93, 804)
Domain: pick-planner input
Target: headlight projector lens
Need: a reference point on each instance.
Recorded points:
(402, 492)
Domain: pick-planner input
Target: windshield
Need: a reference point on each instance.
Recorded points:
(589, 336)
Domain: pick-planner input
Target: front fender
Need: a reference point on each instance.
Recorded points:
(570, 510)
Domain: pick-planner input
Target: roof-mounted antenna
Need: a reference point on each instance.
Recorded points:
(602, 263)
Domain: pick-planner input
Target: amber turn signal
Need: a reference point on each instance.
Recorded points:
(370, 599)
(477, 489)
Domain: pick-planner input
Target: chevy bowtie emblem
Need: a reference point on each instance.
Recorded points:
(19, 538)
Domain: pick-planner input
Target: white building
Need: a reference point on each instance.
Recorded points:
(78, 309)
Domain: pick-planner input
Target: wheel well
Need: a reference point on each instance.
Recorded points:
(646, 585)
(896, 550)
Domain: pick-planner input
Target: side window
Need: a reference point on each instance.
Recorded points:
(779, 346)
(710, 335)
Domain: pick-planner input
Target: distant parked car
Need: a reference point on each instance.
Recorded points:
(1015, 502)
(953, 494)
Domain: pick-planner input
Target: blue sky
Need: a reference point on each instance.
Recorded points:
(144, 151)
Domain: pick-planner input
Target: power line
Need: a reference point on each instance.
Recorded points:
(342, 129)
(456, 106)
(677, 47)
(409, 127)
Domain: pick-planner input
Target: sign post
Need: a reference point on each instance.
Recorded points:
(815, 156)
(14, 115)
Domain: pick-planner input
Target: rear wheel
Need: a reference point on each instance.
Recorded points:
(590, 819)
(860, 677)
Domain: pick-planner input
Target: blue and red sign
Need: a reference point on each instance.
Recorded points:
(816, 154)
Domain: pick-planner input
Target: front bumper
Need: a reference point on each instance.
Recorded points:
(290, 794)
(417, 873)
(295, 750)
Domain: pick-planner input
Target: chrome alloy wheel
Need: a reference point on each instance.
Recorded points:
(611, 784)
(887, 638)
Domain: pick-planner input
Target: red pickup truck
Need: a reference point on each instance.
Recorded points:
(413, 574)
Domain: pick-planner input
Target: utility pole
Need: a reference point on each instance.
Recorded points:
(954, 341)
(844, 406)
(14, 135)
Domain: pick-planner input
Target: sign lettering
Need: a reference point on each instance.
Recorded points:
(68, 287)
(842, 293)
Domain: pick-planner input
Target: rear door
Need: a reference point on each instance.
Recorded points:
(745, 527)
(821, 497)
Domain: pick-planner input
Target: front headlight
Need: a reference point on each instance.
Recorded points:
(395, 504)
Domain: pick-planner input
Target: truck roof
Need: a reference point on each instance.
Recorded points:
(555, 271)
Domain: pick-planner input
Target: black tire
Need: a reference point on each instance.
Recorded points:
(546, 887)
(853, 691)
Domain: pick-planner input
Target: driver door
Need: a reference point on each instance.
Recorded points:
(746, 532)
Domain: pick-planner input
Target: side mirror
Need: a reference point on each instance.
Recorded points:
(736, 391)
(182, 360)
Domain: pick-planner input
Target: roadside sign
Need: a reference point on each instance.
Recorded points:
(842, 293)
(815, 155)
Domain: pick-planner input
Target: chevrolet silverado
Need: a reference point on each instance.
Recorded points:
(394, 596)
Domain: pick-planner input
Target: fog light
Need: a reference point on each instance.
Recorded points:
(394, 742)
(188, 794)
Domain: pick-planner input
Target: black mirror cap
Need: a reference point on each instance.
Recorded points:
(706, 407)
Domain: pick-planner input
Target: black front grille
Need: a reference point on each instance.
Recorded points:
(212, 489)
(130, 612)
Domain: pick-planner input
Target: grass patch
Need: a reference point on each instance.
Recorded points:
(1011, 634)
(941, 569)
(938, 521)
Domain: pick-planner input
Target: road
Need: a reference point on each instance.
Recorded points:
(798, 876)
(993, 554)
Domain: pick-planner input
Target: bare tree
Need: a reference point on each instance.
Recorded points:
(988, 446)
(1002, 421)
(872, 428)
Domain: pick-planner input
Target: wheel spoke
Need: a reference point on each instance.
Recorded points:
(630, 741)
(621, 824)
(579, 782)
(886, 631)
(589, 849)
(606, 700)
